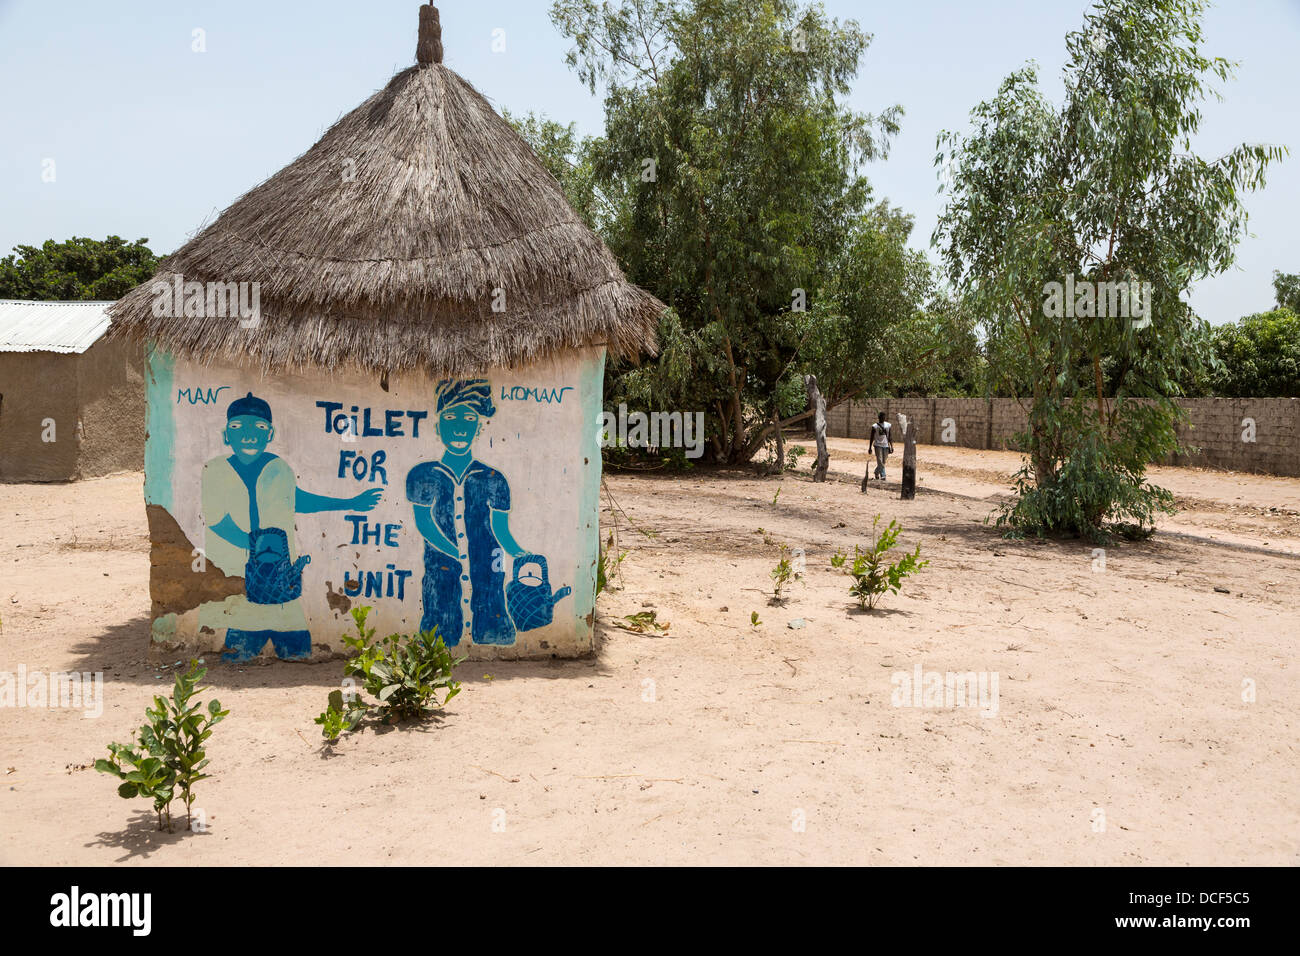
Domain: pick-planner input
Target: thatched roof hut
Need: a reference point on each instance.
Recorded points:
(377, 378)
(388, 244)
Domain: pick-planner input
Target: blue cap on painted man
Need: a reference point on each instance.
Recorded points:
(250, 404)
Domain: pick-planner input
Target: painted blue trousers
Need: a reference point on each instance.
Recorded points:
(245, 645)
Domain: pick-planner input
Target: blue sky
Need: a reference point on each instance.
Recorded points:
(150, 138)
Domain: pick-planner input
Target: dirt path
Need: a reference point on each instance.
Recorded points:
(1119, 694)
(1252, 510)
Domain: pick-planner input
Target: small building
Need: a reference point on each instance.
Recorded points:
(71, 400)
(376, 380)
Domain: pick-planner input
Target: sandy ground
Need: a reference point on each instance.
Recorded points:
(1120, 695)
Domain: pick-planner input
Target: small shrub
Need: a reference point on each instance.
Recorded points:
(402, 673)
(872, 576)
(783, 574)
(169, 749)
(792, 456)
(838, 560)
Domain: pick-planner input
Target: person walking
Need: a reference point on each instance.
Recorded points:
(882, 443)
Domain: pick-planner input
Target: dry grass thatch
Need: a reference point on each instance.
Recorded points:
(388, 243)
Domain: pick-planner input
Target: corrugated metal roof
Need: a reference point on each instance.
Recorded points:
(70, 327)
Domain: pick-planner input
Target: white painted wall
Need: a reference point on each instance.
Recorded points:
(547, 450)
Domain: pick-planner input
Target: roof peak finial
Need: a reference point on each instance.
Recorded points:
(428, 49)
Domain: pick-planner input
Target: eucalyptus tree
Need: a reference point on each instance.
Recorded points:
(1076, 231)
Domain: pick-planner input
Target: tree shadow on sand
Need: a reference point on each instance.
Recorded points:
(141, 838)
(852, 610)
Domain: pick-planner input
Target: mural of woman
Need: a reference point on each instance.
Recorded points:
(462, 509)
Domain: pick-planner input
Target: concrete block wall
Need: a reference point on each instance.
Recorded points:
(1222, 428)
(837, 420)
(1008, 420)
(920, 415)
(1242, 434)
(972, 417)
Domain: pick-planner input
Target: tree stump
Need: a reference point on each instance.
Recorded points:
(818, 403)
(909, 463)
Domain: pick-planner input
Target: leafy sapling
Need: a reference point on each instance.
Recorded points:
(783, 574)
(873, 577)
(169, 751)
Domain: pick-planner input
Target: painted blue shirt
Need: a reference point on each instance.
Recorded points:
(465, 597)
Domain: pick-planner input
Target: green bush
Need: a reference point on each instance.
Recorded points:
(1257, 357)
(1096, 484)
(403, 674)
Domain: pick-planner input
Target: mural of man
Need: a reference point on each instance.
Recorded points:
(249, 501)
(462, 509)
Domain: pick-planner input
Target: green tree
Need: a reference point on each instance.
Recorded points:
(867, 329)
(76, 269)
(729, 164)
(1286, 286)
(947, 332)
(1103, 189)
(1258, 357)
(568, 159)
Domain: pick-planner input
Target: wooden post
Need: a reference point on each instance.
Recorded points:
(909, 462)
(780, 442)
(818, 403)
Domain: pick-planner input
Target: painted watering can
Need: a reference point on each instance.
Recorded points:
(269, 576)
(529, 593)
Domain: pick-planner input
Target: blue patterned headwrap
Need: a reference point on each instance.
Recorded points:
(474, 392)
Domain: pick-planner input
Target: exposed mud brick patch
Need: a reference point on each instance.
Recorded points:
(174, 586)
(338, 601)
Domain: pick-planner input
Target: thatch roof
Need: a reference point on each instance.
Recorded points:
(388, 243)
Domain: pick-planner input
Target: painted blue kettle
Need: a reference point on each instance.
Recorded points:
(528, 594)
(269, 576)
